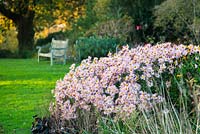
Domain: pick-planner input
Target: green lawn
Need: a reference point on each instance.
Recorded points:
(25, 90)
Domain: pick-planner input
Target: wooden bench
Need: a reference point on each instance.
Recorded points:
(57, 49)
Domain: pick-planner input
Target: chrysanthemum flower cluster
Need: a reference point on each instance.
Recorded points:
(111, 84)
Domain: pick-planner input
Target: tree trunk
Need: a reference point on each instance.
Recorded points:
(25, 35)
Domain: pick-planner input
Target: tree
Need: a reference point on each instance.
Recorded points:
(89, 18)
(109, 23)
(178, 20)
(141, 13)
(24, 12)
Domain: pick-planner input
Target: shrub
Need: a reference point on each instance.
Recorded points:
(177, 21)
(117, 28)
(117, 85)
(95, 46)
(7, 54)
(9, 41)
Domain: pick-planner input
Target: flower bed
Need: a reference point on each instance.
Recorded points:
(112, 84)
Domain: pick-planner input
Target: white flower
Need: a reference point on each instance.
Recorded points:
(168, 84)
(165, 111)
(195, 66)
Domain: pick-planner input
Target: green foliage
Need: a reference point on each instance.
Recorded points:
(117, 28)
(25, 88)
(188, 75)
(40, 125)
(9, 44)
(84, 23)
(107, 125)
(141, 11)
(10, 41)
(7, 54)
(89, 19)
(178, 20)
(95, 46)
(106, 21)
(102, 10)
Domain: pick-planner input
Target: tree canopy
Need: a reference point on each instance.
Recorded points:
(157, 20)
(32, 15)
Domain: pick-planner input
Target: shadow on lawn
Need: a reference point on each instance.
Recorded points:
(1, 129)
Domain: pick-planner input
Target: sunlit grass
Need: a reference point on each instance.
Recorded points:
(25, 90)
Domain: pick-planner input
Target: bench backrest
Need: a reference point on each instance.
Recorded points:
(59, 47)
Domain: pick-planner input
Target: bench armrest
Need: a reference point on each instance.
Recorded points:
(41, 47)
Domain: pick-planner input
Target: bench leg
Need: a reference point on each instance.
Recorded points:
(38, 58)
(64, 58)
(64, 62)
(51, 60)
